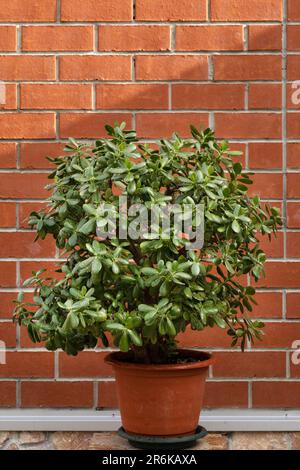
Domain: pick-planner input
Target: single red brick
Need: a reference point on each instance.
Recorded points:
(7, 274)
(246, 10)
(133, 96)
(293, 95)
(250, 364)
(134, 38)
(28, 364)
(107, 392)
(27, 11)
(170, 10)
(25, 209)
(293, 185)
(7, 155)
(269, 305)
(92, 67)
(293, 305)
(293, 215)
(209, 38)
(33, 155)
(273, 248)
(160, 125)
(90, 125)
(293, 10)
(240, 148)
(293, 67)
(248, 125)
(248, 67)
(281, 275)
(7, 394)
(274, 188)
(293, 246)
(294, 367)
(208, 338)
(24, 339)
(57, 38)
(8, 96)
(56, 394)
(208, 96)
(8, 38)
(7, 305)
(226, 394)
(27, 67)
(56, 96)
(172, 67)
(293, 155)
(7, 214)
(22, 245)
(265, 96)
(8, 334)
(87, 364)
(265, 155)
(23, 185)
(27, 126)
(293, 125)
(96, 10)
(276, 394)
(27, 267)
(265, 37)
(293, 37)
(279, 335)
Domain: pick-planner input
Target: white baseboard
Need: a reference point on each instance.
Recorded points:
(97, 421)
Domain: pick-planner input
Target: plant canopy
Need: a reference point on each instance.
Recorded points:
(141, 292)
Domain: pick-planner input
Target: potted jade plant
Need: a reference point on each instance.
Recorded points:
(124, 285)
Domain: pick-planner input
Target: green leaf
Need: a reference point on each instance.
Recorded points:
(170, 328)
(115, 268)
(237, 168)
(124, 342)
(195, 269)
(88, 227)
(236, 226)
(135, 338)
(96, 266)
(146, 308)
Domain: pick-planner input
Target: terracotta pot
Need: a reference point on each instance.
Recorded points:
(160, 400)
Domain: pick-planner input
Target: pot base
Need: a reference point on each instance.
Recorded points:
(159, 442)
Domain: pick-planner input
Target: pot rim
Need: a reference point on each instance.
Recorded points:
(112, 359)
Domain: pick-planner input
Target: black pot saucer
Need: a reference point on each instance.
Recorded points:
(160, 442)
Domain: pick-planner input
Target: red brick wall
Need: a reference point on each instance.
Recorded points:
(70, 67)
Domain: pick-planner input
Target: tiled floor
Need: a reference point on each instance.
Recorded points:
(111, 441)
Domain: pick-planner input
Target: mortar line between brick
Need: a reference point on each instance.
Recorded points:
(247, 155)
(133, 11)
(18, 394)
(96, 39)
(208, 8)
(284, 123)
(284, 300)
(288, 366)
(95, 395)
(56, 365)
(133, 68)
(58, 9)
(19, 39)
(250, 404)
(147, 23)
(94, 97)
(57, 68)
(173, 38)
(101, 53)
(246, 37)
